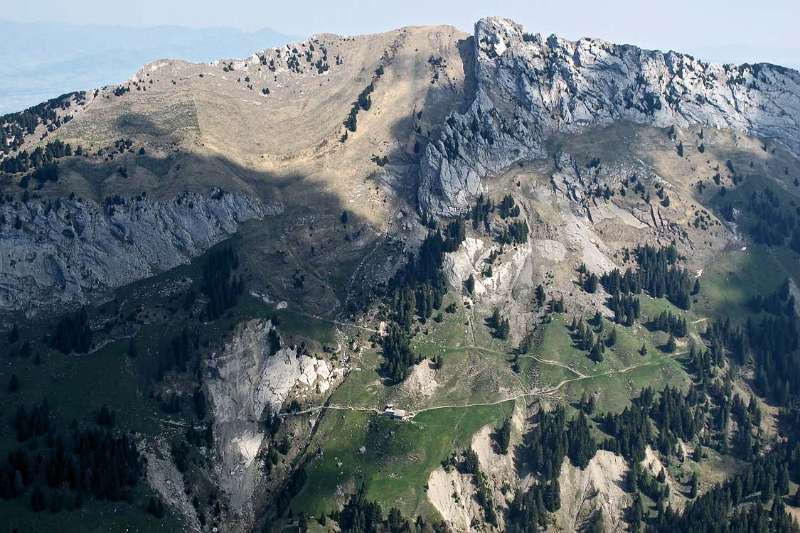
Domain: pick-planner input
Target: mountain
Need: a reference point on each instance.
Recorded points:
(592, 83)
(412, 281)
(70, 57)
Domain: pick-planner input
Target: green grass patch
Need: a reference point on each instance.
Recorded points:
(398, 457)
(728, 283)
(75, 386)
(622, 371)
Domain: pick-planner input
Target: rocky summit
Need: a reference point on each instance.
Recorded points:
(416, 281)
(529, 87)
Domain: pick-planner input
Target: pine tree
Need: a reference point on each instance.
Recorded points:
(13, 383)
(502, 436)
(540, 295)
(633, 478)
(13, 335)
(611, 340)
(552, 496)
(504, 329)
(495, 318)
(694, 483)
(782, 485)
(670, 346)
(596, 354)
(38, 502)
(636, 512)
(590, 284)
(470, 284)
(697, 455)
(155, 507)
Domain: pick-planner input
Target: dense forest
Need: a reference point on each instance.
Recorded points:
(61, 468)
(219, 282)
(42, 161)
(73, 333)
(658, 275)
(711, 414)
(361, 515)
(416, 291)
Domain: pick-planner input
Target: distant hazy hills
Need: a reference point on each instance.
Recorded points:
(43, 60)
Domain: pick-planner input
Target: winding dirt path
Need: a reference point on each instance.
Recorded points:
(332, 321)
(534, 393)
(556, 363)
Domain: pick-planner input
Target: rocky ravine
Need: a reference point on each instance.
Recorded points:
(530, 87)
(242, 380)
(60, 252)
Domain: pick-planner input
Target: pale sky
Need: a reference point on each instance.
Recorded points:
(720, 30)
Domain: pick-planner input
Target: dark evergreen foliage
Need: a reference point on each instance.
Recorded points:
(397, 355)
(416, 291)
(219, 284)
(771, 342)
(658, 275)
(502, 436)
(780, 302)
(63, 468)
(669, 323)
(508, 208)
(720, 509)
(515, 233)
(553, 438)
(40, 162)
(179, 354)
(499, 324)
(72, 333)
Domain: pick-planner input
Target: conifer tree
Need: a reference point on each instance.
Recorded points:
(670, 346)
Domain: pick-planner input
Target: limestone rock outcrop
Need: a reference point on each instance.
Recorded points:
(62, 252)
(529, 87)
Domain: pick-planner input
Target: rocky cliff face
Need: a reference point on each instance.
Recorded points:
(530, 87)
(60, 252)
(242, 380)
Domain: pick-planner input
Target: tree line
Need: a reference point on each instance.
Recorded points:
(219, 282)
(72, 333)
(658, 275)
(512, 232)
(415, 291)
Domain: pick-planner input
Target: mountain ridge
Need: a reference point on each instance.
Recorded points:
(547, 79)
(91, 56)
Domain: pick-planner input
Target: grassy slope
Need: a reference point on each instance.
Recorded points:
(622, 371)
(397, 459)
